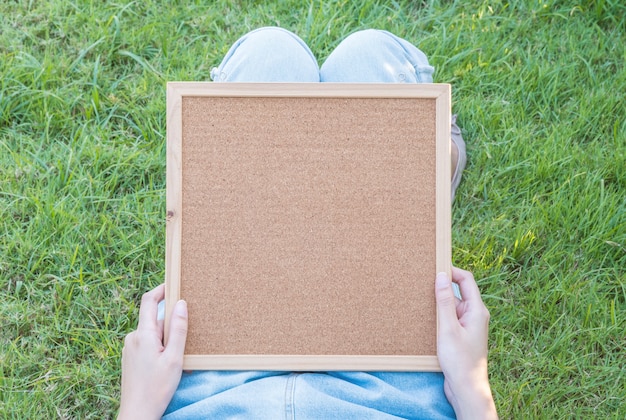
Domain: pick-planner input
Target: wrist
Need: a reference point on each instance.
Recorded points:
(136, 413)
(475, 403)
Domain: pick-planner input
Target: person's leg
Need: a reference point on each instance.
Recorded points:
(268, 55)
(224, 394)
(376, 56)
(380, 56)
(363, 395)
(459, 155)
(263, 55)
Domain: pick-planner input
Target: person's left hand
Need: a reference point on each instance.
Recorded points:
(151, 371)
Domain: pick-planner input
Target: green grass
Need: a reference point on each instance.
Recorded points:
(540, 216)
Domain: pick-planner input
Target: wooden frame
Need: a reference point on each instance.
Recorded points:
(242, 195)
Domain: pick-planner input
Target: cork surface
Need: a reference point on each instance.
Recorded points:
(308, 225)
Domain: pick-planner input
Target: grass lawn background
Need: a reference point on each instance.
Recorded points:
(540, 217)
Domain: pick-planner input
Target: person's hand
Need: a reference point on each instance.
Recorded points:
(150, 371)
(462, 346)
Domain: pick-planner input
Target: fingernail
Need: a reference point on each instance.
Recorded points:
(161, 310)
(442, 281)
(181, 309)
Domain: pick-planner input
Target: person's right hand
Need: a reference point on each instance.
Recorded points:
(150, 370)
(462, 346)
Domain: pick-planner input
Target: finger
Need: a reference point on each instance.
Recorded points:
(129, 342)
(446, 302)
(473, 306)
(149, 308)
(160, 328)
(177, 331)
(467, 284)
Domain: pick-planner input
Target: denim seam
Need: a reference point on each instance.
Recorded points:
(290, 391)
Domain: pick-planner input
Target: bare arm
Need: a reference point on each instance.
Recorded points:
(462, 346)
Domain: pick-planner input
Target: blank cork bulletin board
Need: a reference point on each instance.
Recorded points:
(306, 223)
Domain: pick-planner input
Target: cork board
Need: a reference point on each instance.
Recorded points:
(306, 223)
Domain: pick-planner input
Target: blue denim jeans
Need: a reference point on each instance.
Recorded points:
(277, 55)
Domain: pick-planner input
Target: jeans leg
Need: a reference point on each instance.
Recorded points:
(268, 55)
(379, 56)
(373, 395)
(376, 56)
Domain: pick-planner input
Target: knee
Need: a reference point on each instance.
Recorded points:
(268, 54)
(273, 37)
(405, 61)
(365, 39)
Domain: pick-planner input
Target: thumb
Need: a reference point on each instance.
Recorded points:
(446, 303)
(177, 335)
